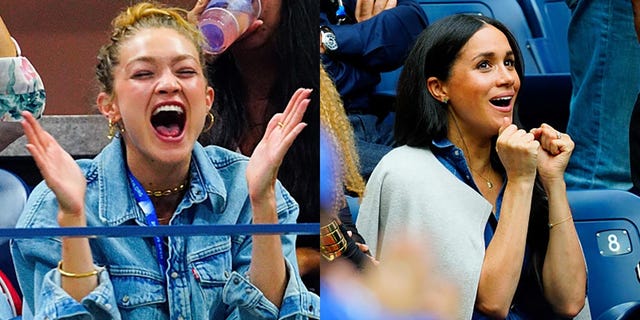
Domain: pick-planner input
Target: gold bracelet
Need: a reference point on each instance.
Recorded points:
(551, 225)
(78, 275)
(332, 242)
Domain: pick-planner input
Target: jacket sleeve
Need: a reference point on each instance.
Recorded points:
(382, 42)
(21, 88)
(36, 259)
(297, 302)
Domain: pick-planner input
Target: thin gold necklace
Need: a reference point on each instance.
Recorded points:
(466, 150)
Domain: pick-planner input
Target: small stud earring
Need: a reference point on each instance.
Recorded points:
(445, 100)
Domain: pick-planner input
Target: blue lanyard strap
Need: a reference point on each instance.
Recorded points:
(150, 215)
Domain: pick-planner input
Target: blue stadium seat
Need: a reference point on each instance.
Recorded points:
(13, 197)
(549, 23)
(625, 311)
(607, 223)
(508, 12)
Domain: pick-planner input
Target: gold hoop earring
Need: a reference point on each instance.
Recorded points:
(113, 126)
(210, 125)
(112, 130)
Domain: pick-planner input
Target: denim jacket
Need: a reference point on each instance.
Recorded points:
(207, 276)
(21, 88)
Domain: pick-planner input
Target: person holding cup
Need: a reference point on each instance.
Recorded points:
(253, 78)
(223, 21)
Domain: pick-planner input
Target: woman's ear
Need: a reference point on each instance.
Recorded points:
(209, 98)
(107, 107)
(437, 89)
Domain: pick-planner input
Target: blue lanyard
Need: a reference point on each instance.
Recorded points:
(150, 215)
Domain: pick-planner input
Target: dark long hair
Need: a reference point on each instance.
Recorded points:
(420, 118)
(297, 58)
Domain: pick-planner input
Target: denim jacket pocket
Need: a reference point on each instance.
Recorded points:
(211, 266)
(135, 287)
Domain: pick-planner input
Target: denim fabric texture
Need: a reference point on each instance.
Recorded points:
(605, 72)
(207, 276)
(5, 309)
(373, 137)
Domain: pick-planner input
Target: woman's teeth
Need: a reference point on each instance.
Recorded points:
(168, 108)
(501, 102)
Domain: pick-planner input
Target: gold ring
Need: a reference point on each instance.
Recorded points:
(280, 124)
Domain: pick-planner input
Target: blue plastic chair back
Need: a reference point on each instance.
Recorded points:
(508, 12)
(607, 224)
(13, 197)
(549, 23)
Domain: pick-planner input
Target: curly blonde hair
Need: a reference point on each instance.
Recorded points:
(144, 15)
(334, 119)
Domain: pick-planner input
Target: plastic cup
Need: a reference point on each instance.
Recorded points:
(224, 21)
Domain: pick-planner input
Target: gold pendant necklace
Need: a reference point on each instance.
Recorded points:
(489, 183)
(466, 150)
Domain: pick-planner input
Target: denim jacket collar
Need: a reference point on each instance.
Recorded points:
(116, 205)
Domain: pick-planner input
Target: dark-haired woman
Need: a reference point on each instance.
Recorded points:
(486, 196)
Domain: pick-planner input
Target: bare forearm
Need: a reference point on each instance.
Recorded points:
(77, 259)
(7, 48)
(267, 270)
(564, 272)
(504, 256)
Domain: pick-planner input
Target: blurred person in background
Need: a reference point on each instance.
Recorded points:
(360, 39)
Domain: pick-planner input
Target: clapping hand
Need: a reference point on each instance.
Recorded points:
(61, 173)
(282, 130)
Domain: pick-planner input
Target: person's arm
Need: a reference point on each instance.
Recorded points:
(7, 47)
(267, 270)
(504, 256)
(66, 180)
(564, 272)
(383, 41)
(348, 78)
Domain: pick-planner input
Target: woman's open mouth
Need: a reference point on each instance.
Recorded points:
(502, 101)
(168, 121)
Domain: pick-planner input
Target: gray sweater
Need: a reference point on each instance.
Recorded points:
(411, 192)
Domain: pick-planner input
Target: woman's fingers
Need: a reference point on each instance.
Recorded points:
(294, 112)
(551, 140)
(198, 8)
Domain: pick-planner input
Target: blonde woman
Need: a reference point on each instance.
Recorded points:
(156, 99)
(336, 124)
